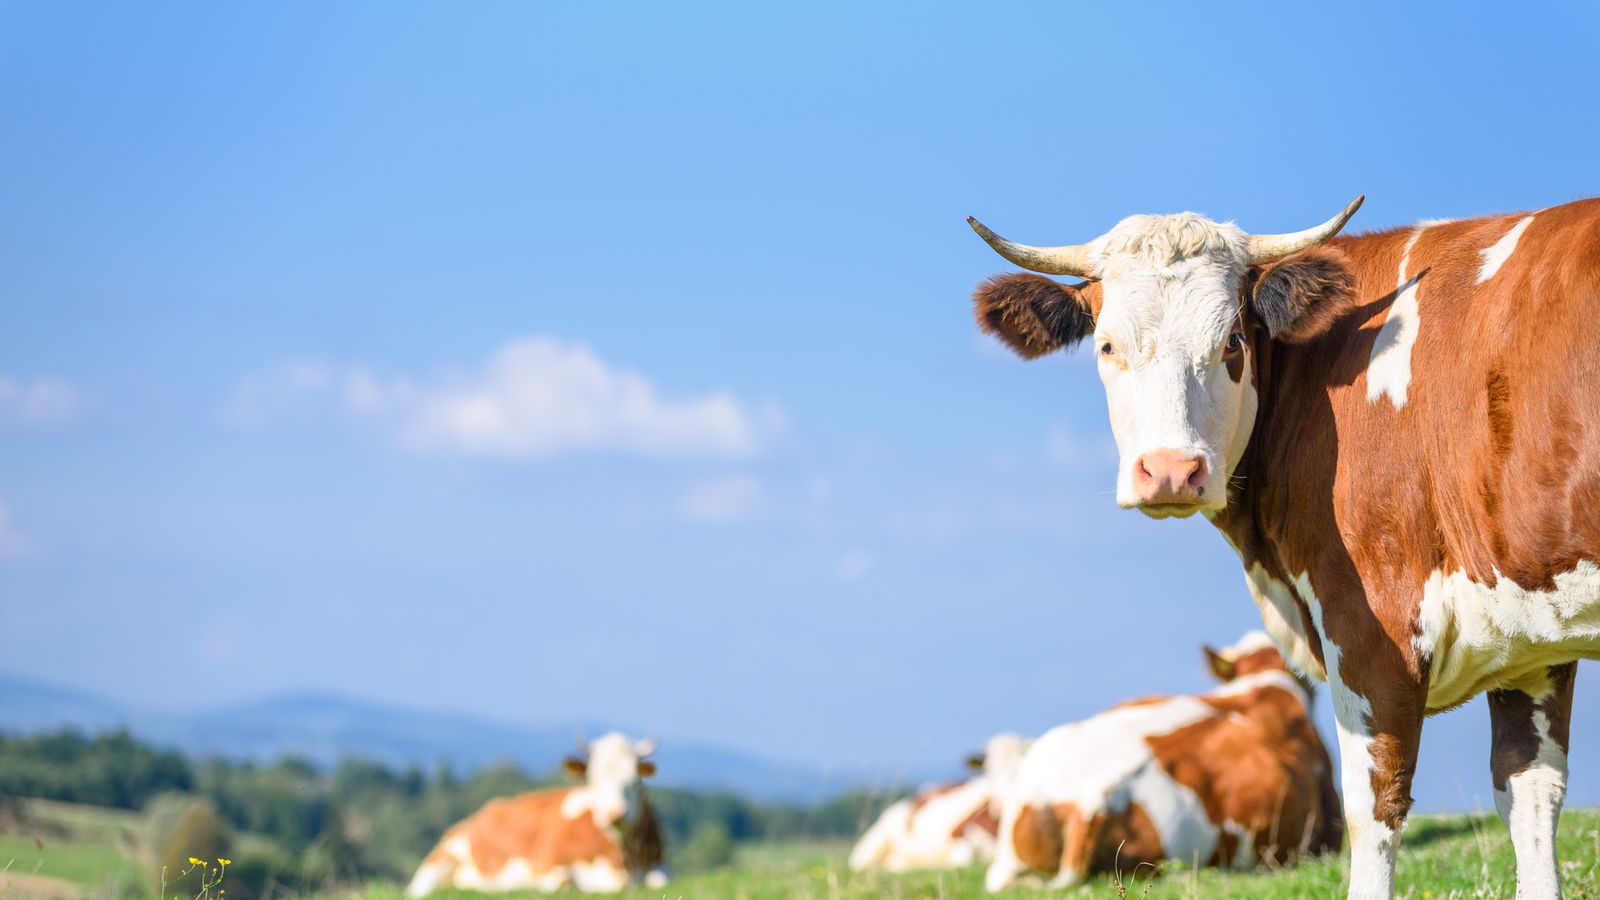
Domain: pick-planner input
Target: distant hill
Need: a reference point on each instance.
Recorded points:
(324, 727)
(1453, 773)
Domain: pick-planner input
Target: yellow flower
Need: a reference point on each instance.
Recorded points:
(193, 861)
(225, 862)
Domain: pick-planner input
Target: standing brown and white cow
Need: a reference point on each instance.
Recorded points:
(947, 826)
(1228, 778)
(1399, 433)
(599, 836)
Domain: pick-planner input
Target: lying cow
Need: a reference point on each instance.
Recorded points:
(599, 836)
(1397, 434)
(1228, 778)
(949, 826)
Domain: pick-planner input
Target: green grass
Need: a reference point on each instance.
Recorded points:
(1441, 857)
(77, 862)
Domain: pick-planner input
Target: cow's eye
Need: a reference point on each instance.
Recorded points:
(1107, 350)
(1235, 343)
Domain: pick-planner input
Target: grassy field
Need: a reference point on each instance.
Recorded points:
(1443, 856)
(71, 850)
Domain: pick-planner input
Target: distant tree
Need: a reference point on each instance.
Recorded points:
(709, 847)
(180, 828)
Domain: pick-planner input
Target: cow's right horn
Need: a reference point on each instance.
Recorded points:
(1072, 259)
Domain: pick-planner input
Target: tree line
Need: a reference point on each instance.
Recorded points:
(291, 823)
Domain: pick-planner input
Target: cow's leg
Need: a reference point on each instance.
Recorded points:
(1529, 764)
(1379, 699)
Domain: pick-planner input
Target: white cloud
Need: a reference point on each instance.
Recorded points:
(41, 403)
(723, 500)
(14, 544)
(533, 398)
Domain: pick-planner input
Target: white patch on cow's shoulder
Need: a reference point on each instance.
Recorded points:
(1495, 255)
(1372, 843)
(1481, 636)
(1389, 369)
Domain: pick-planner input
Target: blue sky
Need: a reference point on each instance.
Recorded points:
(589, 361)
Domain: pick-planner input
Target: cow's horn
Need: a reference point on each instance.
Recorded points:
(647, 746)
(1265, 248)
(1069, 260)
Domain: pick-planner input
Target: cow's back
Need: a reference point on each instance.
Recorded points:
(1448, 429)
(947, 825)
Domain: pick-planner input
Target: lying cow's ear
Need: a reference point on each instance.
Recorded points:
(1221, 666)
(1035, 315)
(1299, 297)
(975, 762)
(575, 766)
(645, 768)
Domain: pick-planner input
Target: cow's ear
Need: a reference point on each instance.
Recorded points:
(646, 768)
(1221, 666)
(1035, 315)
(575, 766)
(1299, 297)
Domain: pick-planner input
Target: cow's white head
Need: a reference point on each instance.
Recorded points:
(611, 767)
(1174, 307)
(999, 761)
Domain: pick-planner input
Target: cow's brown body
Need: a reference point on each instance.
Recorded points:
(1490, 468)
(599, 836)
(529, 842)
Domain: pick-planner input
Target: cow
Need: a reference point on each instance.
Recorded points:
(948, 826)
(599, 836)
(1397, 434)
(1233, 777)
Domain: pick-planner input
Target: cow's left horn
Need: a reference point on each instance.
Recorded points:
(646, 747)
(1072, 259)
(1265, 248)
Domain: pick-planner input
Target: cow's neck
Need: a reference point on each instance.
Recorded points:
(1270, 533)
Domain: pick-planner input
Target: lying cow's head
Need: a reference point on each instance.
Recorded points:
(1175, 306)
(1001, 756)
(1252, 653)
(613, 761)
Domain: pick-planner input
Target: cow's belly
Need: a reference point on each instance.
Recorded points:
(1482, 637)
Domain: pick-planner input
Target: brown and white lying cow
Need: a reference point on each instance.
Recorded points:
(1399, 434)
(948, 826)
(599, 836)
(1232, 777)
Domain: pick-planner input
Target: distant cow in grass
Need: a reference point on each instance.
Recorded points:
(1228, 778)
(951, 825)
(599, 836)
